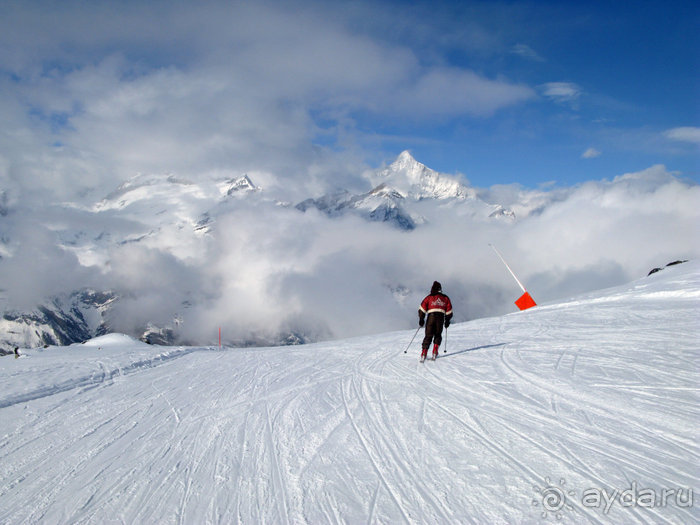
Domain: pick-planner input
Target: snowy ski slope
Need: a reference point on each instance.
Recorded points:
(532, 417)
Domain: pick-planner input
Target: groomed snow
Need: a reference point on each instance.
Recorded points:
(526, 418)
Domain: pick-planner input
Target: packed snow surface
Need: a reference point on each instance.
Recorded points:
(584, 411)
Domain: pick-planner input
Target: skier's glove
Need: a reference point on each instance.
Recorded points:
(447, 324)
(421, 322)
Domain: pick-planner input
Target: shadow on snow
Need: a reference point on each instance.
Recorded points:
(470, 350)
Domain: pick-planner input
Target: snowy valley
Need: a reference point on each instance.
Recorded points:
(577, 411)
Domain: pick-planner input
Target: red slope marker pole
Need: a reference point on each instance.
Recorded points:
(525, 301)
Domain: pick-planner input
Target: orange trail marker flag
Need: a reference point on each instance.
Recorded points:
(525, 301)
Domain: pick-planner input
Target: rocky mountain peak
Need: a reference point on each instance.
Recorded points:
(416, 180)
(241, 184)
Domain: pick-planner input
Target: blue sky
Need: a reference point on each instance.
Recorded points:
(312, 93)
(608, 78)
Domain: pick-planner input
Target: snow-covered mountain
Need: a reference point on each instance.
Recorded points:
(164, 204)
(63, 320)
(582, 411)
(405, 194)
(417, 181)
(381, 204)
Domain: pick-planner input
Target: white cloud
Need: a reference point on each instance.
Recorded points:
(590, 153)
(684, 134)
(527, 52)
(562, 92)
(451, 91)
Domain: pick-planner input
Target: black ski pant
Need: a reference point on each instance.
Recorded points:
(433, 329)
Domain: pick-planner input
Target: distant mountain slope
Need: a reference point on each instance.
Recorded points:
(62, 321)
(382, 204)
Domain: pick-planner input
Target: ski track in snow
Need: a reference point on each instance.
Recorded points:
(600, 392)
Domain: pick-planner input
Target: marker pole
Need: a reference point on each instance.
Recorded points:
(511, 271)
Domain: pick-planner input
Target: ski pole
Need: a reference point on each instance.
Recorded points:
(445, 350)
(412, 338)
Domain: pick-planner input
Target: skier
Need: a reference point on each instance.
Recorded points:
(439, 309)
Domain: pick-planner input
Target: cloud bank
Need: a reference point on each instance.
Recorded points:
(265, 272)
(279, 270)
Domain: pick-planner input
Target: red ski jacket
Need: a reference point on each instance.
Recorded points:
(438, 302)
